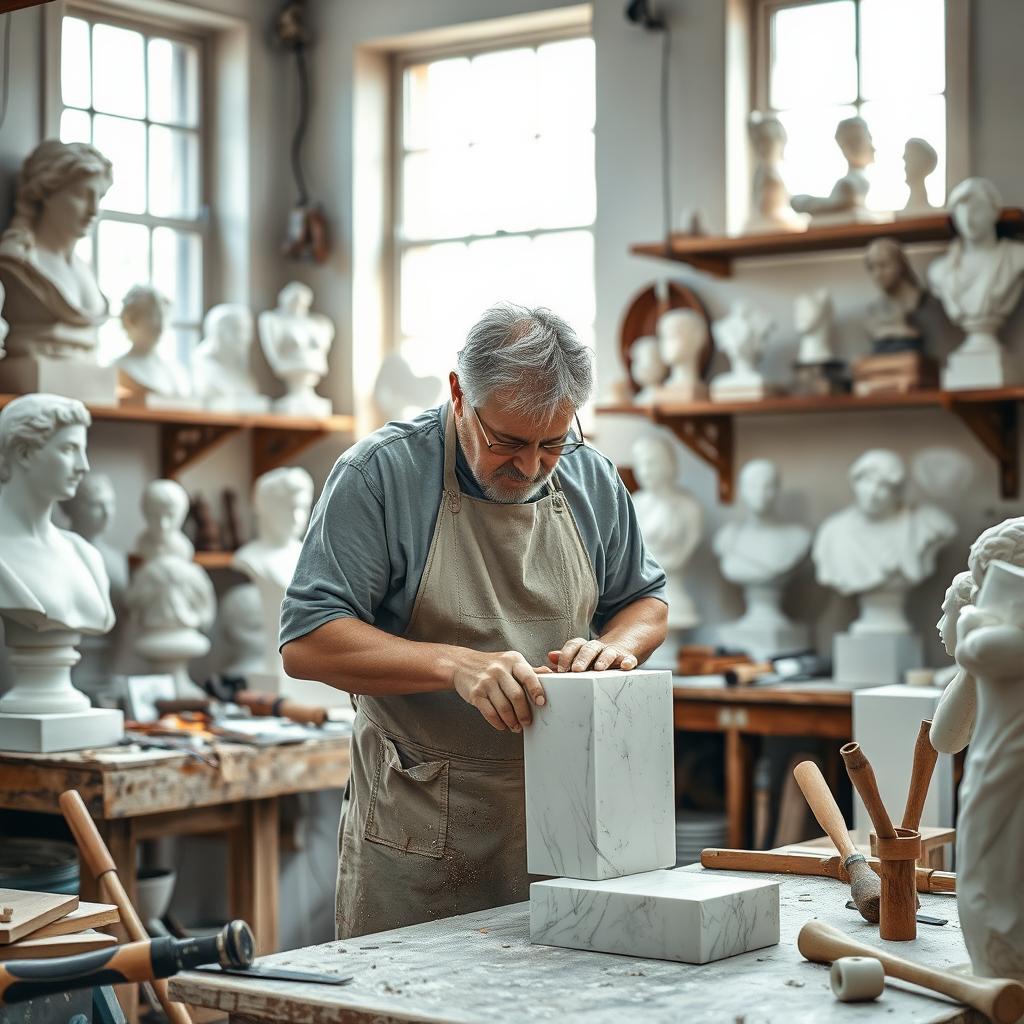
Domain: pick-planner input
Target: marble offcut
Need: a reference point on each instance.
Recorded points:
(690, 917)
(600, 796)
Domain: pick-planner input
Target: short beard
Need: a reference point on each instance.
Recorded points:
(494, 491)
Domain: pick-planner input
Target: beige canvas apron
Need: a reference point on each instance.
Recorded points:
(436, 819)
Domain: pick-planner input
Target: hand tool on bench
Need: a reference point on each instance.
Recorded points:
(20, 980)
(925, 756)
(897, 849)
(1001, 999)
(864, 884)
(101, 865)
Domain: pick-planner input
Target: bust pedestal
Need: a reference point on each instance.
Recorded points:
(874, 659)
(73, 378)
(980, 362)
(764, 631)
(169, 651)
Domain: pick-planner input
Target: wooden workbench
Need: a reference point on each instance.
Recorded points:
(482, 967)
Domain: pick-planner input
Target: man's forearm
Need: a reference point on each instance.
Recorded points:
(639, 628)
(354, 656)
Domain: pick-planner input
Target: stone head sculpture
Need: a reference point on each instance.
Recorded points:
(143, 315)
(878, 479)
(91, 509)
(282, 500)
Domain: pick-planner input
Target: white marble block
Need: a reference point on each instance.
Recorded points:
(693, 917)
(886, 720)
(874, 659)
(45, 734)
(600, 799)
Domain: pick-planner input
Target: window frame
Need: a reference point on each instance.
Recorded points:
(401, 60)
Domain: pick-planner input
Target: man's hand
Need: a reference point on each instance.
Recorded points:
(499, 686)
(579, 655)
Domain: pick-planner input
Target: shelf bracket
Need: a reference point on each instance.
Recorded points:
(711, 438)
(994, 424)
(181, 444)
(273, 447)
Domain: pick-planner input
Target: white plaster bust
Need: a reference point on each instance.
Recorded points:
(741, 336)
(164, 507)
(847, 201)
(919, 160)
(296, 343)
(980, 278)
(682, 337)
(953, 718)
(888, 319)
(770, 208)
(53, 304)
(240, 631)
(881, 546)
(646, 368)
(90, 512)
(143, 368)
(670, 520)
(223, 375)
(812, 316)
(400, 393)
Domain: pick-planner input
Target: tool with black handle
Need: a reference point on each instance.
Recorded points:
(232, 947)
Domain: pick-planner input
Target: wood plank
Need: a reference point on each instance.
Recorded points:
(32, 910)
(56, 945)
(810, 697)
(88, 915)
(253, 869)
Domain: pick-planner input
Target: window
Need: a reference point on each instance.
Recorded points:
(495, 193)
(134, 93)
(825, 60)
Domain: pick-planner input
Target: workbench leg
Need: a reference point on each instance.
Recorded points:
(254, 872)
(120, 840)
(738, 783)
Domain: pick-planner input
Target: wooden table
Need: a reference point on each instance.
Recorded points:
(482, 967)
(821, 710)
(135, 795)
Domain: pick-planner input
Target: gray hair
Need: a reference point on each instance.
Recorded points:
(531, 355)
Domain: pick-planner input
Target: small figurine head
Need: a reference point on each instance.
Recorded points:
(810, 309)
(959, 594)
(1003, 542)
(741, 334)
(654, 462)
(767, 137)
(975, 205)
(854, 139)
(42, 444)
(91, 510)
(645, 364)
(888, 265)
(164, 506)
(878, 478)
(919, 160)
(143, 314)
(295, 298)
(230, 325)
(682, 335)
(759, 486)
(282, 499)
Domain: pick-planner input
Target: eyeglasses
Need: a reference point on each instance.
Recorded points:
(566, 447)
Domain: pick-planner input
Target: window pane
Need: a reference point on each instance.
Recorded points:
(113, 342)
(892, 123)
(123, 143)
(813, 162)
(74, 62)
(178, 272)
(179, 344)
(173, 172)
(74, 126)
(122, 252)
(564, 267)
(506, 183)
(566, 86)
(502, 270)
(433, 276)
(814, 55)
(118, 81)
(173, 82)
(439, 194)
(902, 48)
(437, 104)
(566, 191)
(503, 91)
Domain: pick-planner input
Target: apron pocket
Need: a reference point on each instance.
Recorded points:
(408, 807)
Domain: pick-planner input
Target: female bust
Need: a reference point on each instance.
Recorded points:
(54, 305)
(50, 579)
(223, 376)
(143, 368)
(888, 318)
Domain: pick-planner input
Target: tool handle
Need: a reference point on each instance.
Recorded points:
(744, 674)
(759, 860)
(862, 775)
(94, 851)
(823, 805)
(925, 756)
(262, 704)
(998, 998)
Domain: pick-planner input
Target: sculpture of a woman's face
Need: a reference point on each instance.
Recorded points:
(72, 209)
(164, 506)
(884, 264)
(759, 486)
(974, 213)
(957, 595)
(682, 334)
(55, 469)
(654, 463)
(876, 493)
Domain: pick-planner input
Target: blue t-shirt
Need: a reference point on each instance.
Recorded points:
(370, 532)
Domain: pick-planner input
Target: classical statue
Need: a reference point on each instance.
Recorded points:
(741, 336)
(889, 317)
(240, 631)
(143, 369)
(682, 338)
(646, 368)
(296, 343)
(770, 208)
(165, 508)
(919, 160)
(847, 201)
(221, 369)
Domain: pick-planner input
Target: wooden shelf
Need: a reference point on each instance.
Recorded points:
(214, 559)
(706, 428)
(715, 254)
(186, 435)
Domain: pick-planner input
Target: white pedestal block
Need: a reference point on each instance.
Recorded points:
(886, 720)
(600, 798)
(693, 917)
(966, 370)
(43, 734)
(874, 659)
(73, 378)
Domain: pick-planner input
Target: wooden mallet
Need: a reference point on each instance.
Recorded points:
(998, 998)
(864, 884)
(101, 865)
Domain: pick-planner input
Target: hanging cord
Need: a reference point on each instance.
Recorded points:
(300, 128)
(7, 69)
(666, 136)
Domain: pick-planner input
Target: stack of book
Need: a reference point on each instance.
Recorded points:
(895, 372)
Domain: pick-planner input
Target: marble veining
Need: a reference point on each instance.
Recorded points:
(667, 915)
(600, 796)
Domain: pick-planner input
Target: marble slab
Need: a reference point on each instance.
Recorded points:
(49, 733)
(600, 788)
(874, 659)
(665, 915)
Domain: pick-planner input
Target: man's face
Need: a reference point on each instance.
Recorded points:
(509, 478)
